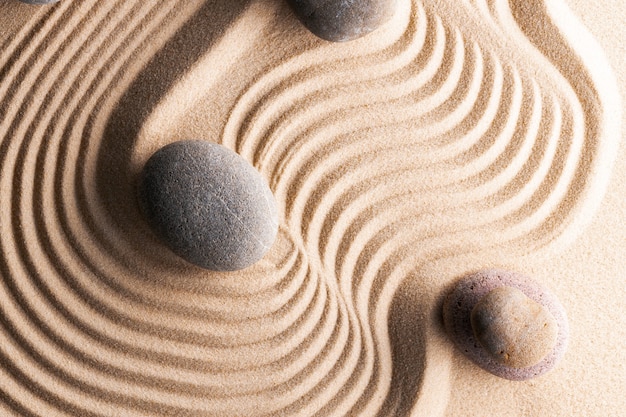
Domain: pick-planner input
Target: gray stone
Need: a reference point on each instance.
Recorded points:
(343, 20)
(39, 1)
(208, 205)
(515, 330)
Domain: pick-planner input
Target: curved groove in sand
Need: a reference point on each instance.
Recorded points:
(421, 143)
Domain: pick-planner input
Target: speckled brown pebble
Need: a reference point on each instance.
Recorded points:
(515, 330)
(342, 20)
(208, 205)
(471, 290)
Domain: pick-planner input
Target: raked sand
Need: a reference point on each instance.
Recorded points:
(462, 135)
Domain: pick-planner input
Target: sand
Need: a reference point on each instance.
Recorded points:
(462, 135)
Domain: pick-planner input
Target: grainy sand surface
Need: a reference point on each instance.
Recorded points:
(462, 135)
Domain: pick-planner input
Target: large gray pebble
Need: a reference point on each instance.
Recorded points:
(208, 205)
(343, 20)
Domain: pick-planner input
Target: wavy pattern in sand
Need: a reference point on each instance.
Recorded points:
(476, 126)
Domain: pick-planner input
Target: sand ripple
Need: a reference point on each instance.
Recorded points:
(480, 126)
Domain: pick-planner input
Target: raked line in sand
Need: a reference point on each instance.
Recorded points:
(459, 127)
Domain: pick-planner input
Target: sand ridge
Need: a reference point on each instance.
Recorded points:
(460, 127)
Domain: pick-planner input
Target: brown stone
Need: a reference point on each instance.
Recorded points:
(515, 330)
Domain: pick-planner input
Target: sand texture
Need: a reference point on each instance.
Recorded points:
(462, 135)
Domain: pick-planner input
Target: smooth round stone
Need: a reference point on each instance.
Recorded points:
(208, 205)
(39, 1)
(474, 296)
(515, 330)
(341, 20)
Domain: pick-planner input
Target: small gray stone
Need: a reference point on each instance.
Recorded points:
(343, 20)
(515, 330)
(39, 1)
(208, 205)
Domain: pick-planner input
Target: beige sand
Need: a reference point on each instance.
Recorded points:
(462, 135)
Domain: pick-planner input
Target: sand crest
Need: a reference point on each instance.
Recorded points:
(461, 135)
